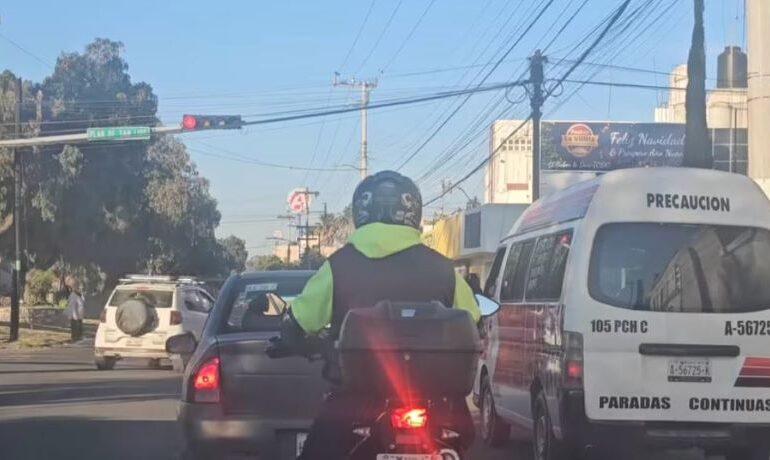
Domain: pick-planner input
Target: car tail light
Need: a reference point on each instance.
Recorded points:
(103, 316)
(409, 417)
(573, 359)
(206, 382)
(175, 318)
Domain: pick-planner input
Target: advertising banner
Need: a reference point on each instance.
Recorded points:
(602, 146)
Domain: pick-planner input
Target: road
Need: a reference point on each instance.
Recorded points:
(55, 405)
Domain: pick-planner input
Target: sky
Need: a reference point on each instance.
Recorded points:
(264, 59)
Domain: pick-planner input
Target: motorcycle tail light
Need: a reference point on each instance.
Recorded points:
(409, 418)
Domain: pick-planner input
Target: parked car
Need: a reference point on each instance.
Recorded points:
(634, 313)
(234, 398)
(143, 312)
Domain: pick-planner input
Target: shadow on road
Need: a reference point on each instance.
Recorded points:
(80, 438)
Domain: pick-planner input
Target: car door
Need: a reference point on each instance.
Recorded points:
(194, 313)
(511, 367)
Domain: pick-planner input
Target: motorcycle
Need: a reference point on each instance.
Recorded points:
(415, 363)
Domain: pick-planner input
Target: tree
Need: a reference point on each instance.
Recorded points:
(335, 229)
(269, 262)
(235, 253)
(697, 144)
(105, 209)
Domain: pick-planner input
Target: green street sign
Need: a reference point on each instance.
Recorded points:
(119, 133)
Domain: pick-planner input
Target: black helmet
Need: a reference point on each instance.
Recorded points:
(387, 197)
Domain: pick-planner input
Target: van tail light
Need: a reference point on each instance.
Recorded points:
(206, 382)
(409, 418)
(103, 316)
(573, 359)
(175, 318)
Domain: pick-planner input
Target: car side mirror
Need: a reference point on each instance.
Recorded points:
(183, 344)
(487, 306)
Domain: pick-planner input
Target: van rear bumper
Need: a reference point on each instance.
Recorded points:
(578, 431)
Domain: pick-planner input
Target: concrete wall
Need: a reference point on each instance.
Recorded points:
(758, 19)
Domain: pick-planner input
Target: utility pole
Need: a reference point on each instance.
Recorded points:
(306, 227)
(536, 77)
(16, 289)
(366, 87)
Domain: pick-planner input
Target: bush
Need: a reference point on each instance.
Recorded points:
(39, 284)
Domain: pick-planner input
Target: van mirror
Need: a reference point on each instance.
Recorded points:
(183, 344)
(487, 306)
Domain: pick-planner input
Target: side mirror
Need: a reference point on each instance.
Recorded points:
(183, 344)
(487, 306)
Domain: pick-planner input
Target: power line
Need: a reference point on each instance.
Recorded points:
(26, 51)
(379, 38)
(394, 103)
(489, 73)
(408, 36)
(585, 54)
(358, 35)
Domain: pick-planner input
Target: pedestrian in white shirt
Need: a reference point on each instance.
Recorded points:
(76, 310)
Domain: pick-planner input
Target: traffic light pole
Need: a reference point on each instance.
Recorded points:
(73, 138)
(16, 281)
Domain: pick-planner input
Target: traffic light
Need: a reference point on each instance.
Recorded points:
(198, 122)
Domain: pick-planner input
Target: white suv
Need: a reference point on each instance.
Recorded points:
(143, 312)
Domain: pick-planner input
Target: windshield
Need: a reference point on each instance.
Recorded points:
(681, 268)
(151, 297)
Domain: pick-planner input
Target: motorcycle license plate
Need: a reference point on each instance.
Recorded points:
(408, 457)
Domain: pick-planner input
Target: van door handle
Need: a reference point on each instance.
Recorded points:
(676, 349)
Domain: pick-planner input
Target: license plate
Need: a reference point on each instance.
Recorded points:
(134, 342)
(408, 457)
(301, 437)
(689, 370)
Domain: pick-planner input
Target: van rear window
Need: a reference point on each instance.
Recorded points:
(681, 268)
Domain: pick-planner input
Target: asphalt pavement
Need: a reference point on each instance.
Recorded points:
(55, 405)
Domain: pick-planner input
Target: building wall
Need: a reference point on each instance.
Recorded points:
(758, 18)
(509, 173)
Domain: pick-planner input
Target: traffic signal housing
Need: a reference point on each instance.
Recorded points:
(200, 122)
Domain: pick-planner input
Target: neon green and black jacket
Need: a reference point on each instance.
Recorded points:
(380, 262)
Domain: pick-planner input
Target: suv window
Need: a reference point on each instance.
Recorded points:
(152, 297)
(491, 284)
(546, 269)
(195, 301)
(681, 267)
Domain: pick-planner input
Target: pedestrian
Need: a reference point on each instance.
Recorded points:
(473, 281)
(76, 309)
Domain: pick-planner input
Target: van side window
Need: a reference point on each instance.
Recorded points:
(520, 275)
(491, 283)
(546, 272)
(506, 290)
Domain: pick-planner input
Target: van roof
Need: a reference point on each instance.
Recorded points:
(664, 194)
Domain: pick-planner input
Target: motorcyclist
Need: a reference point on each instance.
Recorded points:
(384, 259)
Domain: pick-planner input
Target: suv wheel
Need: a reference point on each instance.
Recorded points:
(544, 445)
(494, 430)
(105, 363)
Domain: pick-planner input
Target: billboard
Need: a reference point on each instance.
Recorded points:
(603, 146)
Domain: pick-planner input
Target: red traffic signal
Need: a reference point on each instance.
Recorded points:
(198, 122)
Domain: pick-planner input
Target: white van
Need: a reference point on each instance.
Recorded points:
(634, 312)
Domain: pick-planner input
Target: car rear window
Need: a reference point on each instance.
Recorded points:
(152, 297)
(278, 292)
(681, 267)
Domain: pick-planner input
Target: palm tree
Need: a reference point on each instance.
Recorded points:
(697, 144)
